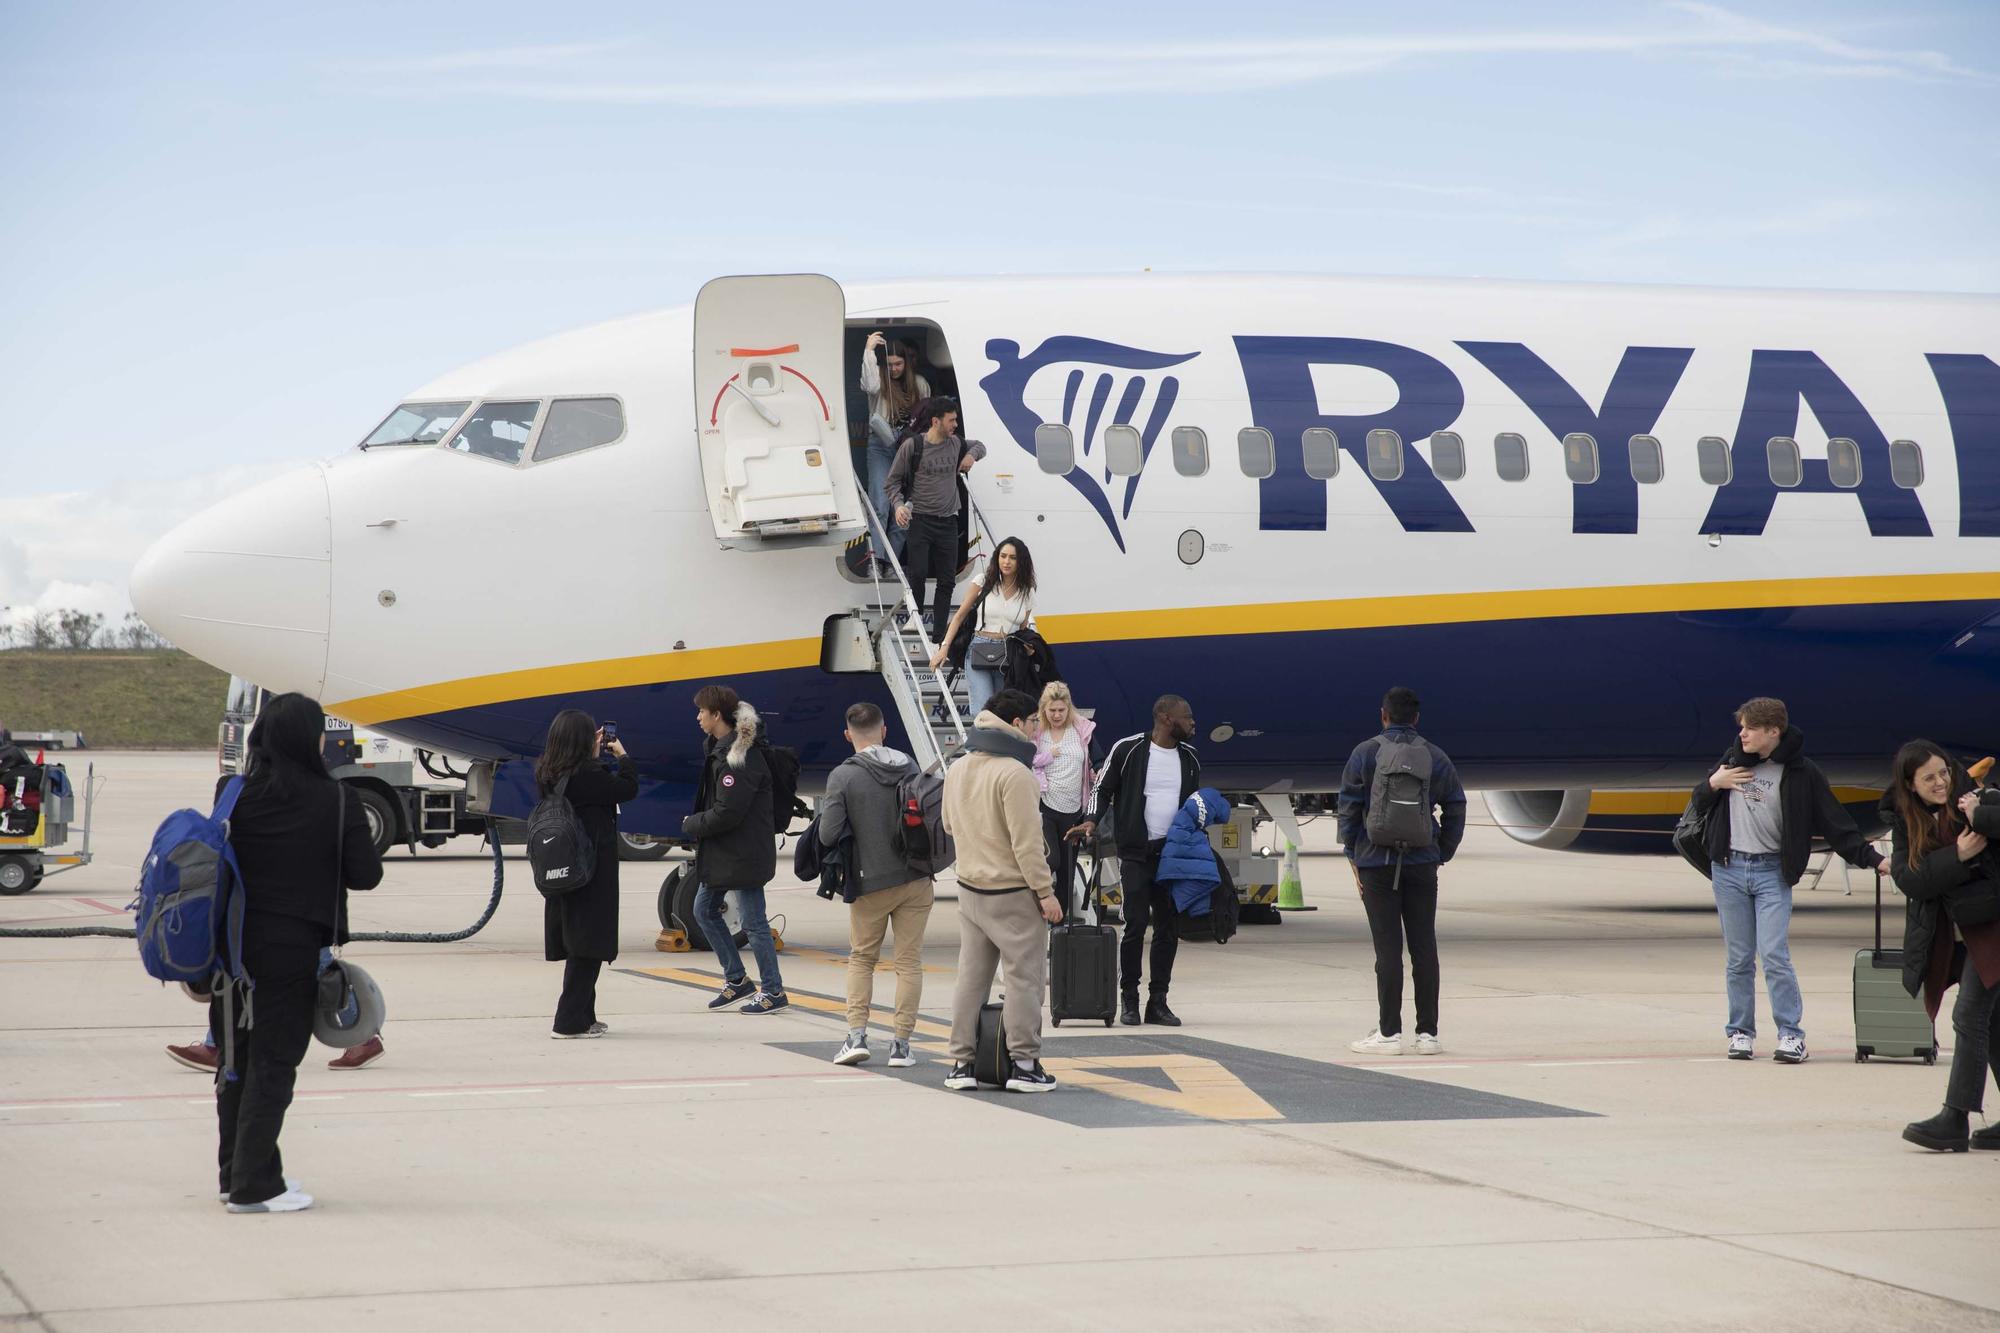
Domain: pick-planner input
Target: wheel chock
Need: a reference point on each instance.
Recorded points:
(673, 941)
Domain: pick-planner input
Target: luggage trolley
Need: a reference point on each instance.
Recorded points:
(37, 810)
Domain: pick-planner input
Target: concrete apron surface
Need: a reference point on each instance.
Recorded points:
(1580, 1156)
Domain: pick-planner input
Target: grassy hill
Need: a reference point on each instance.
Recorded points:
(116, 698)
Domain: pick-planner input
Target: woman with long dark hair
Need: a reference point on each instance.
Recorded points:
(580, 928)
(299, 855)
(1943, 862)
(1003, 606)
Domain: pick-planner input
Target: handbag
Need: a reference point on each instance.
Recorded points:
(1691, 836)
(987, 655)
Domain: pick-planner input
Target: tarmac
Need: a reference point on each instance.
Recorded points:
(1580, 1156)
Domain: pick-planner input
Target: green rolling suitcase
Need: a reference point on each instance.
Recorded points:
(1888, 1020)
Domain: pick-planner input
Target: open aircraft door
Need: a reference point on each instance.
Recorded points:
(768, 374)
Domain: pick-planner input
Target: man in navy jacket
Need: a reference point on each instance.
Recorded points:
(1399, 889)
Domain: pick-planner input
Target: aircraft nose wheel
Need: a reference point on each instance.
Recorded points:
(675, 906)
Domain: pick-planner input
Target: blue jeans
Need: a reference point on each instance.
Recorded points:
(1755, 905)
(881, 456)
(750, 902)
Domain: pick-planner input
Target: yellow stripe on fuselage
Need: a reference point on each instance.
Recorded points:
(1202, 622)
(1672, 802)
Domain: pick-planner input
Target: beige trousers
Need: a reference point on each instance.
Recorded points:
(1004, 930)
(907, 907)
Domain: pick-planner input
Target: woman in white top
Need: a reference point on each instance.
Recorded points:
(1063, 767)
(1004, 605)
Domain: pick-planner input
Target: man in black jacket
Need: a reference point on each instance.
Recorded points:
(736, 846)
(1144, 782)
(1763, 805)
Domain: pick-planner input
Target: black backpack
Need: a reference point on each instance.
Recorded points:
(920, 838)
(783, 761)
(561, 853)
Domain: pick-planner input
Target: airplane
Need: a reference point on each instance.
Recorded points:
(1583, 522)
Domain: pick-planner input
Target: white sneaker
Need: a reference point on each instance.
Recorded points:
(1427, 1044)
(1740, 1046)
(594, 1030)
(1377, 1044)
(1792, 1050)
(291, 1201)
(854, 1051)
(899, 1054)
(291, 1187)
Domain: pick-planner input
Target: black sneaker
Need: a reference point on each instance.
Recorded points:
(731, 992)
(767, 1003)
(1157, 1012)
(1128, 1011)
(1031, 1078)
(1943, 1132)
(961, 1077)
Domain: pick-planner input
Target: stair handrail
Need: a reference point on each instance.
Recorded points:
(907, 600)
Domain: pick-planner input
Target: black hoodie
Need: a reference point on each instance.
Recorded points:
(1931, 882)
(1806, 806)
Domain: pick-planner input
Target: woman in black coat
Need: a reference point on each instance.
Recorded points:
(580, 928)
(298, 856)
(1942, 861)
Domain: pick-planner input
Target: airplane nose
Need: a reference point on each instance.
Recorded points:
(247, 584)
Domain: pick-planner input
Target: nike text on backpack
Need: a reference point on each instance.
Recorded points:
(560, 851)
(1399, 800)
(920, 837)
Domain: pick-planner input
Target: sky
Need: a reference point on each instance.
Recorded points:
(232, 235)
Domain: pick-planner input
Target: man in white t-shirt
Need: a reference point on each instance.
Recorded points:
(1145, 780)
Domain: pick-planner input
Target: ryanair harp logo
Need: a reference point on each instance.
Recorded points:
(1088, 386)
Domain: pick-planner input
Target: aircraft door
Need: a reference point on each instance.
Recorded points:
(768, 371)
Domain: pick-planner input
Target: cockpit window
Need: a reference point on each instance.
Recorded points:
(416, 423)
(499, 431)
(576, 424)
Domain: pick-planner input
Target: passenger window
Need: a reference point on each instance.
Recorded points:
(1055, 448)
(499, 431)
(1190, 451)
(576, 424)
(1781, 455)
(1322, 453)
(416, 423)
(1906, 464)
(1448, 455)
(1257, 451)
(1580, 458)
(1124, 451)
(1385, 455)
(1711, 454)
(1649, 461)
(1510, 456)
(1843, 462)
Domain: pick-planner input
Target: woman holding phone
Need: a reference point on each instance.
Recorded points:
(580, 928)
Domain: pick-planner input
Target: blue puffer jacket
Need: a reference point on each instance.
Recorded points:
(1187, 862)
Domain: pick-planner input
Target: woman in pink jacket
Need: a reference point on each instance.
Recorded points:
(1063, 768)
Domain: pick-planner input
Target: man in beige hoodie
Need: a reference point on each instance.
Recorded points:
(1006, 899)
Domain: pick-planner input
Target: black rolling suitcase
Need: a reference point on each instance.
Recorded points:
(1888, 1020)
(1083, 955)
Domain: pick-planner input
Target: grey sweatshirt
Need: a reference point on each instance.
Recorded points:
(928, 481)
(861, 799)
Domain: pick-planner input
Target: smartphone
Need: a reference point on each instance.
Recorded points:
(610, 730)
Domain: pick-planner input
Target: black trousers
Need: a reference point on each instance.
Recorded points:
(1975, 1029)
(1408, 912)
(1055, 823)
(282, 956)
(1147, 905)
(932, 553)
(577, 1009)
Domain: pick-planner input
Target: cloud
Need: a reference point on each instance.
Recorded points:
(634, 74)
(76, 549)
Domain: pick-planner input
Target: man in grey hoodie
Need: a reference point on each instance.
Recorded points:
(861, 801)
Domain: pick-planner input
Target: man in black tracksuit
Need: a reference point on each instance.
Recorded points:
(1143, 784)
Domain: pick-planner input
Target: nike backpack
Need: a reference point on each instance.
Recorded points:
(560, 851)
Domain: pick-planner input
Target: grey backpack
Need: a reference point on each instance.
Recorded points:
(1399, 799)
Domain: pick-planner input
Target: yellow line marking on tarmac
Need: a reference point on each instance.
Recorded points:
(840, 960)
(819, 1004)
(1202, 1087)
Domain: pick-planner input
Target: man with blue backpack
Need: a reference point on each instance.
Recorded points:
(1391, 796)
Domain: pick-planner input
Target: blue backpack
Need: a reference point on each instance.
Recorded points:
(190, 903)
